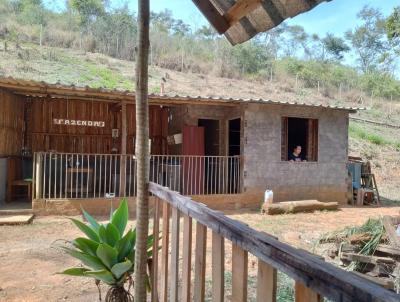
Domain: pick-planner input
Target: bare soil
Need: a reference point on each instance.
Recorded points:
(30, 261)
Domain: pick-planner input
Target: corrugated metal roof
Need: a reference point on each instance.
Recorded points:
(42, 89)
(240, 20)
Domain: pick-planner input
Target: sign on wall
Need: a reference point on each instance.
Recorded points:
(68, 122)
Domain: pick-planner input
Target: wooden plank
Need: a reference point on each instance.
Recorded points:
(331, 281)
(174, 279)
(239, 273)
(218, 267)
(164, 253)
(156, 233)
(266, 282)
(200, 263)
(387, 249)
(241, 9)
(390, 231)
(366, 259)
(209, 11)
(384, 282)
(303, 293)
(187, 258)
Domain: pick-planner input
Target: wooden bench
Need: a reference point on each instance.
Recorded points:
(15, 180)
(19, 183)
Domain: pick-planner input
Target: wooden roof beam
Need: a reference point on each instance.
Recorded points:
(241, 9)
(213, 16)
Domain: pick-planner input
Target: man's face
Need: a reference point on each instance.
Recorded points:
(297, 150)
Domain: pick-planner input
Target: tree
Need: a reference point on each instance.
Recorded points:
(368, 40)
(296, 36)
(142, 149)
(206, 32)
(30, 12)
(88, 10)
(335, 46)
(250, 57)
(393, 27)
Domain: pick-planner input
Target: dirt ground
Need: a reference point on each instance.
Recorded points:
(29, 261)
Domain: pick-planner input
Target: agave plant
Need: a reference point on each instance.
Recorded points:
(107, 253)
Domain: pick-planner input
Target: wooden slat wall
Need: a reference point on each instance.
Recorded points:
(11, 123)
(47, 136)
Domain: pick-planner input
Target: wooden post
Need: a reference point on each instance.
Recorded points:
(156, 233)
(174, 278)
(239, 274)
(164, 253)
(266, 282)
(142, 149)
(305, 294)
(218, 269)
(187, 258)
(200, 263)
(122, 185)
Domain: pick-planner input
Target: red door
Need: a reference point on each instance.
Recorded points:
(193, 161)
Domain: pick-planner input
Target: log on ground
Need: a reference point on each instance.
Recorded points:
(299, 206)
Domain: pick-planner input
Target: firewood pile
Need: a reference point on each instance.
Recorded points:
(371, 250)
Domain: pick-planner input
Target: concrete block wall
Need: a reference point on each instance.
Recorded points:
(324, 180)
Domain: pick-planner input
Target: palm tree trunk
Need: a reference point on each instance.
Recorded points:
(142, 150)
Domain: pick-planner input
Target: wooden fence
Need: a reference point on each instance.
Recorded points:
(314, 278)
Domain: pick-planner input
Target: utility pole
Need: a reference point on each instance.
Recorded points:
(142, 150)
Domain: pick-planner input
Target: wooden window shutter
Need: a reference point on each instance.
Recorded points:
(284, 139)
(312, 140)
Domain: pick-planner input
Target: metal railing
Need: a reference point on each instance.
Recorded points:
(73, 175)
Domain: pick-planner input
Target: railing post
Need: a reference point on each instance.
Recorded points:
(239, 274)
(266, 282)
(218, 267)
(165, 251)
(187, 258)
(156, 232)
(38, 176)
(174, 279)
(305, 294)
(200, 262)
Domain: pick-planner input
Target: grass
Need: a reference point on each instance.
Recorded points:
(357, 131)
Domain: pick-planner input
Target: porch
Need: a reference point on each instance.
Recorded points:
(186, 228)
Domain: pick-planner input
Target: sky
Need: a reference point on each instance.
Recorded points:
(336, 16)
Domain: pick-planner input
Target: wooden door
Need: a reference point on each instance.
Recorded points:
(193, 162)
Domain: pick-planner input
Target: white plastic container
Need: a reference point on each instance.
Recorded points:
(268, 197)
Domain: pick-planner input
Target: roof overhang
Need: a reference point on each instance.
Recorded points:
(240, 20)
(35, 89)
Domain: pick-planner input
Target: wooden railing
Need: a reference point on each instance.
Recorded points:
(77, 175)
(313, 277)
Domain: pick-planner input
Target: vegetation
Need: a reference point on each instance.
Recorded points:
(107, 252)
(96, 26)
(360, 132)
(372, 227)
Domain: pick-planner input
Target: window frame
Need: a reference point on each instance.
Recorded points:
(284, 124)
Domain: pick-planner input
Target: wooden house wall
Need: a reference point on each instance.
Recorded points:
(11, 123)
(45, 135)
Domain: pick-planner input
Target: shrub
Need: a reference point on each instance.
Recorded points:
(107, 252)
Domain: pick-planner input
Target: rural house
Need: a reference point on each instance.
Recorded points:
(72, 145)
